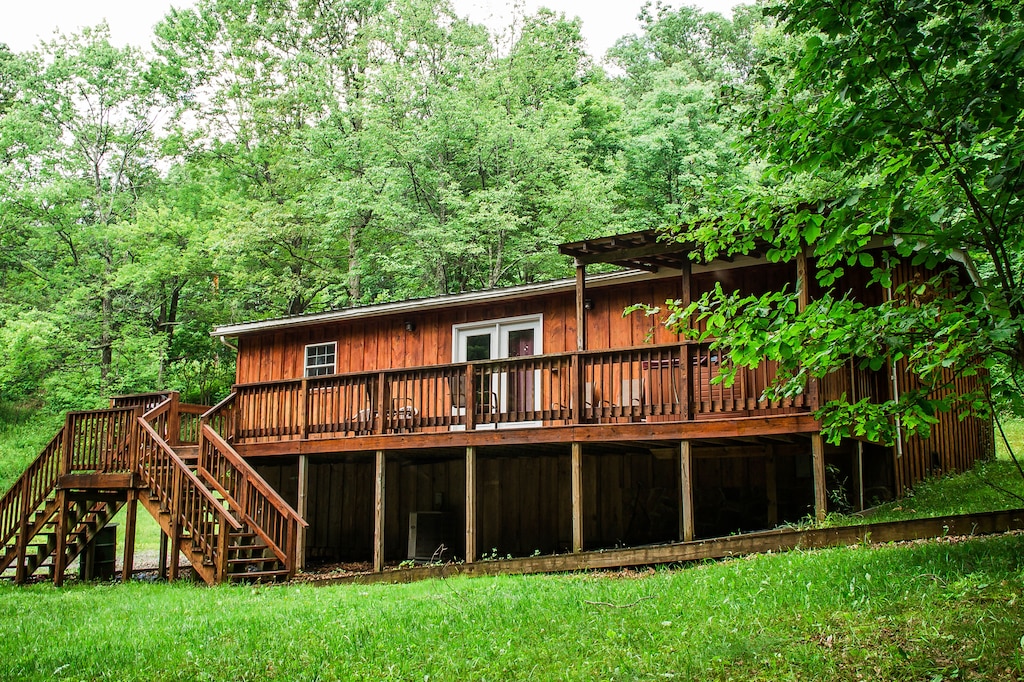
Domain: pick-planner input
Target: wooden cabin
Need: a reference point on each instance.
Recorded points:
(539, 419)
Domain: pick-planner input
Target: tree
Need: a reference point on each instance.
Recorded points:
(76, 136)
(900, 123)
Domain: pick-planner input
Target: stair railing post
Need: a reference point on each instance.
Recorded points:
(26, 496)
(68, 446)
(175, 525)
(174, 420)
(222, 549)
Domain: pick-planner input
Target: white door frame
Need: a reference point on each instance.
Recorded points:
(499, 330)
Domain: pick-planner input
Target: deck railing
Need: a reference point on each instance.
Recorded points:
(674, 382)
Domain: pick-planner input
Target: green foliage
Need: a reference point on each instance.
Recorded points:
(884, 124)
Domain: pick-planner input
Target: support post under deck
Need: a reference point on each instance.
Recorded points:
(577, 497)
(378, 515)
(60, 554)
(818, 461)
(128, 562)
(470, 504)
(303, 504)
(686, 526)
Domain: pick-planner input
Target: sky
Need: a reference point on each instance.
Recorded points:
(23, 23)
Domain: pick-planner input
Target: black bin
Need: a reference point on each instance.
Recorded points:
(97, 562)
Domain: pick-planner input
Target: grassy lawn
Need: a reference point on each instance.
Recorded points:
(924, 611)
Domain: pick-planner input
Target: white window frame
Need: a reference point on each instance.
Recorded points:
(307, 367)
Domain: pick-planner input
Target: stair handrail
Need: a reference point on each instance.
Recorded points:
(201, 515)
(250, 495)
(213, 415)
(31, 488)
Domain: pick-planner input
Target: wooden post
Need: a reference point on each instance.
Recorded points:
(818, 461)
(175, 536)
(686, 525)
(382, 403)
(303, 505)
(304, 408)
(581, 312)
(68, 449)
(685, 298)
(174, 420)
(771, 486)
(21, 572)
(470, 504)
(223, 542)
(128, 562)
(470, 401)
(686, 390)
(576, 393)
(60, 554)
(162, 556)
(803, 299)
(577, 497)
(378, 515)
(858, 475)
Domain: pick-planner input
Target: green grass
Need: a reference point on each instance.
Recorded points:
(941, 610)
(24, 433)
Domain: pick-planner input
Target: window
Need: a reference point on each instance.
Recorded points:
(320, 358)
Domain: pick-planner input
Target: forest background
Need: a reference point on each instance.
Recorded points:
(265, 158)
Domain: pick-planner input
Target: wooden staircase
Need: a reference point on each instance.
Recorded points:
(215, 509)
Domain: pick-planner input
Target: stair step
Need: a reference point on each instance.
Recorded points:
(258, 575)
(252, 560)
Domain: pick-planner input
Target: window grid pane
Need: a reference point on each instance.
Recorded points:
(320, 359)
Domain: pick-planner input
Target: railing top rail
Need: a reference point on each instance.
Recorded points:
(157, 410)
(192, 408)
(257, 481)
(222, 404)
(151, 394)
(107, 410)
(203, 491)
(370, 374)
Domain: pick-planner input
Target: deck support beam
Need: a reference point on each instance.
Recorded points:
(60, 553)
(577, 497)
(771, 486)
(470, 504)
(131, 512)
(820, 490)
(303, 505)
(858, 476)
(378, 512)
(686, 525)
(162, 557)
(175, 528)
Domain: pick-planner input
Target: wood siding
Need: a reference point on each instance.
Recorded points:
(377, 343)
